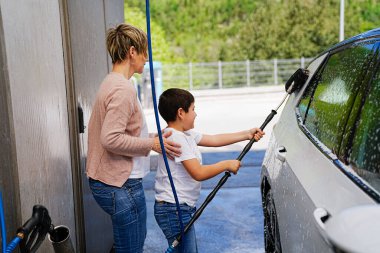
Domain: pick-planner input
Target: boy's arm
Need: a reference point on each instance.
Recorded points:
(219, 140)
(201, 172)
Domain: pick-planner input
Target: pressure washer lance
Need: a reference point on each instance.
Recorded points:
(295, 82)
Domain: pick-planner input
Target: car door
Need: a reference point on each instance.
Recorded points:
(311, 130)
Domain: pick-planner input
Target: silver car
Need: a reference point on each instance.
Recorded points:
(320, 178)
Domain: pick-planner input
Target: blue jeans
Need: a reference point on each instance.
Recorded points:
(167, 218)
(127, 207)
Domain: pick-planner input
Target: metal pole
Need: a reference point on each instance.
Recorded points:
(248, 74)
(302, 62)
(341, 30)
(220, 75)
(275, 71)
(190, 76)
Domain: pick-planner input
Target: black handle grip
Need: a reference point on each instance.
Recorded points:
(40, 217)
(268, 119)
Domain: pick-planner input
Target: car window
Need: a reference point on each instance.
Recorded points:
(365, 154)
(326, 104)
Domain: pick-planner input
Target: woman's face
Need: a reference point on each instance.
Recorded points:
(140, 62)
(137, 60)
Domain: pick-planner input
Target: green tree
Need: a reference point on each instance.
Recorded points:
(160, 47)
(228, 30)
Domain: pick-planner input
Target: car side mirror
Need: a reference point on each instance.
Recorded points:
(297, 80)
(355, 229)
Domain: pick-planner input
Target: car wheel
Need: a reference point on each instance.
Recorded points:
(271, 231)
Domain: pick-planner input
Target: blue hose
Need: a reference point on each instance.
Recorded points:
(157, 118)
(2, 221)
(170, 249)
(13, 244)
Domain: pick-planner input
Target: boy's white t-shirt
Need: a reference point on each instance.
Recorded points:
(188, 189)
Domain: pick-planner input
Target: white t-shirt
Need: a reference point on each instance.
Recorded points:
(141, 164)
(188, 189)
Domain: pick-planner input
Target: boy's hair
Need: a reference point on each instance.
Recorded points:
(173, 99)
(120, 39)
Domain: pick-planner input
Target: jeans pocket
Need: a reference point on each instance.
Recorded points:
(126, 210)
(106, 200)
(136, 189)
(165, 223)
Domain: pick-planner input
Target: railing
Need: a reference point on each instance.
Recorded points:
(219, 75)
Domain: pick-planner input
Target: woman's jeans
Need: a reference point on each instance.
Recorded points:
(127, 208)
(167, 218)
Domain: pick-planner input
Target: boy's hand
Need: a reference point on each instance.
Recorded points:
(233, 166)
(172, 149)
(256, 133)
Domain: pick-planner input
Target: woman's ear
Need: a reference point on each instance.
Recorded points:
(132, 51)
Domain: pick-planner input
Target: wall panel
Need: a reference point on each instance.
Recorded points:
(33, 46)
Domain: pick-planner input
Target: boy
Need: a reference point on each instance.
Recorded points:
(176, 106)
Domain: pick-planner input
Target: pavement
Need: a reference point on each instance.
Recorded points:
(233, 221)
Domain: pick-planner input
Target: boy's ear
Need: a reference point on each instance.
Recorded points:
(180, 113)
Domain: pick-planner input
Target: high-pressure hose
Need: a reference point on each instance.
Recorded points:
(295, 82)
(220, 184)
(13, 244)
(156, 115)
(2, 221)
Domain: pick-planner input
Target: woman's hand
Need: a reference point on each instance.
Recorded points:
(256, 133)
(172, 149)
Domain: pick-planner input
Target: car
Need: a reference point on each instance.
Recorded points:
(320, 178)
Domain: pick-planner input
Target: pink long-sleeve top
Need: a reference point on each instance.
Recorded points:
(114, 130)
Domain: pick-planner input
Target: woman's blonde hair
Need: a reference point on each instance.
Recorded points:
(121, 38)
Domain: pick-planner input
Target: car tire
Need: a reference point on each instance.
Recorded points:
(271, 230)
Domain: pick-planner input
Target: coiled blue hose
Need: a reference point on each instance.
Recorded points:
(2, 221)
(13, 244)
(157, 118)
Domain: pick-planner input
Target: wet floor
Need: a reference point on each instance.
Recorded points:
(232, 222)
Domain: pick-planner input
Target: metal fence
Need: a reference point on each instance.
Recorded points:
(219, 75)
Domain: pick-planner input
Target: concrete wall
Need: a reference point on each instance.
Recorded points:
(53, 58)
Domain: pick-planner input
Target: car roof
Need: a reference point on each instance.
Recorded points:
(366, 35)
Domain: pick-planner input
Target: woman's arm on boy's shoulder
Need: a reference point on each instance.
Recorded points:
(201, 172)
(219, 140)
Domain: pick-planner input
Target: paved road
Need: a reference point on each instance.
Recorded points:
(233, 221)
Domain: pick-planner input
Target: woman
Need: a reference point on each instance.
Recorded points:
(119, 143)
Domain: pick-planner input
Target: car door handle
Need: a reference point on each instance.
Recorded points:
(281, 153)
(320, 217)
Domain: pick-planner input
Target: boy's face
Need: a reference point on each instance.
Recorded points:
(189, 118)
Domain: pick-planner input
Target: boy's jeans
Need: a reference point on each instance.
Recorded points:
(127, 208)
(167, 218)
